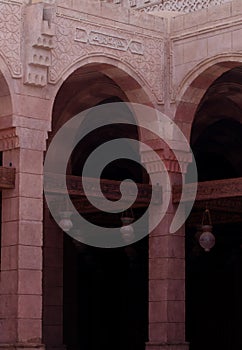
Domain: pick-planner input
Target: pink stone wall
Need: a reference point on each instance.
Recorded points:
(165, 62)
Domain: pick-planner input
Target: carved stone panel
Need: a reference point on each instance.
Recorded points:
(77, 39)
(183, 6)
(38, 44)
(10, 35)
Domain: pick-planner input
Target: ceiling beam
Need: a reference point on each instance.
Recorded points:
(55, 185)
(209, 190)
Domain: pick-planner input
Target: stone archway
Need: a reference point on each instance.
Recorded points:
(194, 87)
(213, 279)
(84, 88)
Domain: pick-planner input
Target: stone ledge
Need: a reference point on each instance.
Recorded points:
(167, 346)
(22, 346)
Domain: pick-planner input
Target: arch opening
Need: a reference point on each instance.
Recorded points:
(105, 291)
(213, 279)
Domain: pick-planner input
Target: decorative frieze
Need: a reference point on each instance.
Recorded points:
(183, 6)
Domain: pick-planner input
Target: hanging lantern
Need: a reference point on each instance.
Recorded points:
(207, 239)
(127, 230)
(65, 222)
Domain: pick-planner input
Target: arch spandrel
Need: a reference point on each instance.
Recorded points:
(77, 39)
(196, 84)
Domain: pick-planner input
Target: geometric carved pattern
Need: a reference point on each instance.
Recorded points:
(77, 39)
(10, 35)
(183, 6)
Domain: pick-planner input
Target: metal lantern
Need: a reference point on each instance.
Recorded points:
(127, 230)
(65, 222)
(206, 238)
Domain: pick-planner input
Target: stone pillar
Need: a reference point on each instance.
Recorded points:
(166, 272)
(21, 265)
(52, 283)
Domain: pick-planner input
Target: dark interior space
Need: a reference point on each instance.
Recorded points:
(214, 278)
(106, 290)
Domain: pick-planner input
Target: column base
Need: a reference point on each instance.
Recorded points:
(167, 346)
(22, 346)
(57, 347)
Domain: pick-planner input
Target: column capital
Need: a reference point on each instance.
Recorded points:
(174, 161)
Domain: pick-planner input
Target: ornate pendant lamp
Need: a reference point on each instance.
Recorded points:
(127, 230)
(65, 222)
(206, 239)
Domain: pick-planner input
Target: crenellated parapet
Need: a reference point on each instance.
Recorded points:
(38, 44)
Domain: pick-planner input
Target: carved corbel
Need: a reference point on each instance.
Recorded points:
(39, 32)
(8, 139)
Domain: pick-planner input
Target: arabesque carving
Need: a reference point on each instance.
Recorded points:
(183, 6)
(76, 39)
(10, 35)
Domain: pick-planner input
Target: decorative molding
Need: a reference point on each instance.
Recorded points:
(183, 6)
(8, 139)
(77, 39)
(38, 44)
(10, 35)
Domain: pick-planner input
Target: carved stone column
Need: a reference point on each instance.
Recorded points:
(21, 265)
(166, 267)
